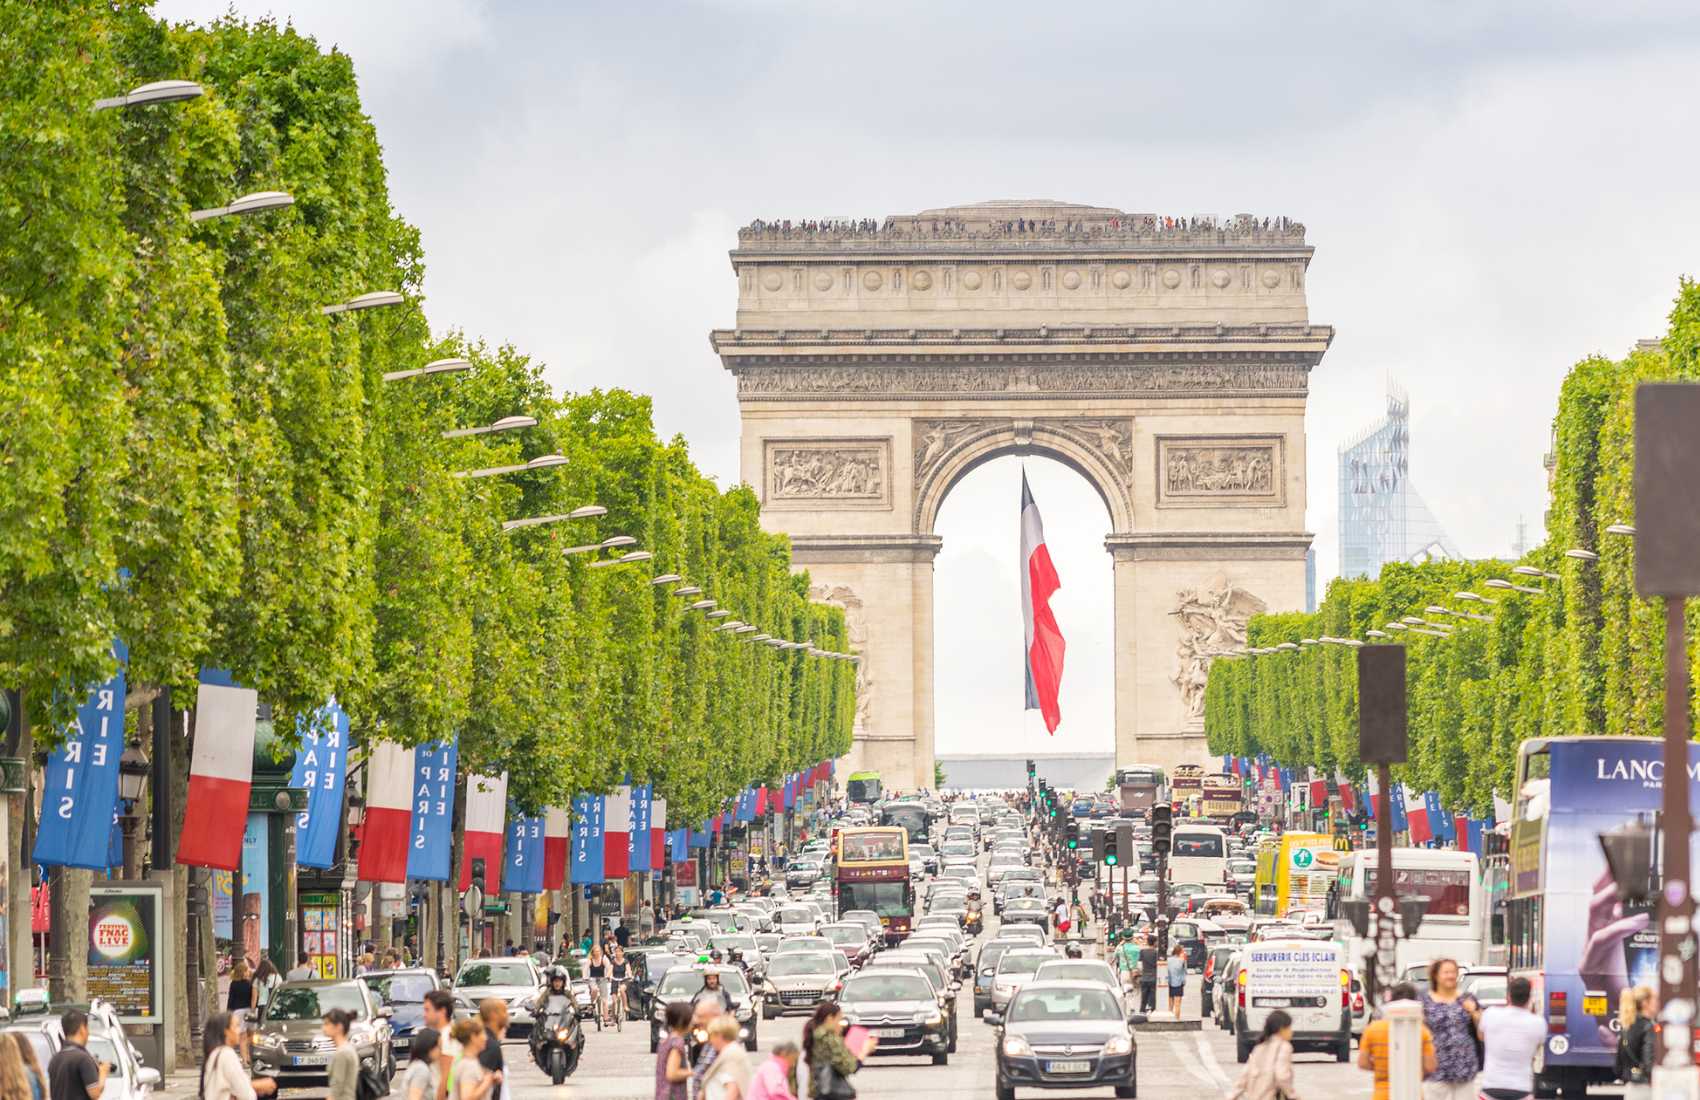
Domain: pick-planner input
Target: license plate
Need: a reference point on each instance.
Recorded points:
(1594, 1004)
(1068, 1067)
(1272, 1002)
(887, 1033)
(309, 1060)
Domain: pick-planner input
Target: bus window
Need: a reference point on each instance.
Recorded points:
(1201, 845)
(1523, 933)
(868, 847)
(1447, 891)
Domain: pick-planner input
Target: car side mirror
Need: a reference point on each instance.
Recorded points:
(148, 1077)
(992, 1017)
(386, 1011)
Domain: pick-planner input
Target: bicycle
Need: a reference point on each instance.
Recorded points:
(619, 1007)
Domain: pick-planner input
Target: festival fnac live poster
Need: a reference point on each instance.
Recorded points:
(121, 940)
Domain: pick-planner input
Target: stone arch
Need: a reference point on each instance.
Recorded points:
(1098, 449)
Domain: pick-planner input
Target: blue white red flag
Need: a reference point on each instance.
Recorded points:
(1044, 640)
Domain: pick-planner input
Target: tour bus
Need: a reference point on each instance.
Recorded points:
(1142, 786)
(1295, 874)
(1223, 797)
(862, 787)
(1198, 853)
(1185, 781)
(1564, 929)
(1454, 924)
(872, 872)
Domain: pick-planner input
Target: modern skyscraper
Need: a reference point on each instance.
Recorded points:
(1382, 516)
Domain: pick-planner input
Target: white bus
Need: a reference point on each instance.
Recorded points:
(1456, 919)
(1198, 853)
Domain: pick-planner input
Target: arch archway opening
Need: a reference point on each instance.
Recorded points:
(979, 682)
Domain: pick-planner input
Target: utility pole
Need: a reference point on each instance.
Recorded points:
(1667, 463)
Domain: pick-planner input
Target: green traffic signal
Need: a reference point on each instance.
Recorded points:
(1110, 859)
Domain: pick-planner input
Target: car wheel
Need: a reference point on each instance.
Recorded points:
(654, 1040)
(1242, 1047)
(1343, 1053)
(752, 1043)
(1127, 1091)
(1005, 1092)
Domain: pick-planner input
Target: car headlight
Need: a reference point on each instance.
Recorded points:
(929, 1018)
(1119, 1044)
(270, 1040)
(1016, 1047)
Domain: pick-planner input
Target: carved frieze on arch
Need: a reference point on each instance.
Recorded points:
(1100, 449)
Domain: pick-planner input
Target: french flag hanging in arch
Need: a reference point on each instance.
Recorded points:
(1044, 640)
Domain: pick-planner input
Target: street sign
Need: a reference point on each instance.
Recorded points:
(472, 902)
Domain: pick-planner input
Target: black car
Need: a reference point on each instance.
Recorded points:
(404, 992)
(900, 1008)
(647, 967)
(1066, 1035)
(986, 966)
(1189, 935)
(683, 983)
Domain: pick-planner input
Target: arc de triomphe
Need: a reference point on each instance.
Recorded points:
(1166, 363)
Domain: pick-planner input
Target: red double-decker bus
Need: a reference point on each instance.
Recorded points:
(872, 872)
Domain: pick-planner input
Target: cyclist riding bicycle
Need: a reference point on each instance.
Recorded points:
(619, 971)
(596, 969)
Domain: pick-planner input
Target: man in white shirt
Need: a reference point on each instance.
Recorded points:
(1511, 1035)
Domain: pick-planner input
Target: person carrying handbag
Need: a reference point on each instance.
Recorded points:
(1268, 1073)
(830, 1061)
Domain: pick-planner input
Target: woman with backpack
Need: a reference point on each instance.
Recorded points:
(1268, 1073)
(1637, 1015)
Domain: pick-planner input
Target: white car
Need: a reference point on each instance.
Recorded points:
(796, 920)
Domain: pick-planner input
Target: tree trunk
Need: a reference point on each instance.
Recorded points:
(19, 877)
(183, 1034)
(68, 964)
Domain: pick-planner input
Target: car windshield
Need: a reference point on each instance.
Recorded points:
(795, 916)
(302, 1002)
(727, 943)
(1242, 866)
(1064, 1004)
(682, 982)
(805, 943)
(400, 988)
(1024, 903)
(1072, 972)
(803, 865)
(1484, 987)
(495, 972)
(847, 934)
(660, 962)
(1021, 964)
(1183, 930)
(877, 986)
(39, 1043)
(787, 966)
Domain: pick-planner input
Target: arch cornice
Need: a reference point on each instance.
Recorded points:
(1100, 449)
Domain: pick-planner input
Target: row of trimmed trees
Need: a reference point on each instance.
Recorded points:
(1585, 656)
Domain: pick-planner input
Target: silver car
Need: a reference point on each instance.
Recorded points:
(1015, 968)
(517, 981)
(289, 1040)
(797, 982)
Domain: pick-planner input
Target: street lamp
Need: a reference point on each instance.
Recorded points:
(762, 638)
(506, 424)
(133, 769)
(701, 605)
(252, 203)
(1507, 586)
(160, 91)
(720, 613)
(1307, 641)
(606, 544)
(586, 512)
(1472, 597)
(376, 299)
(1620, 529)
(666, 578)
(623, 559)
(435, 366)
(688, 590)
(541, 462)
(1531, 571)
(1377, 633)
(1397, 626)
(1287, 646)
(1581, 555)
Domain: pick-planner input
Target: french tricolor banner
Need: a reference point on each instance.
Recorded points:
(486, 820)
(557, 836)
(657, 834)
(588, 846)
(643, 806)
(220, 773)
(617, 835)
(761, 800)
(1044, 640)
(387, 832)
(1318, 793)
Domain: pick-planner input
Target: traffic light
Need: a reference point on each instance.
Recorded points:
(1071, 835)
(1032, 769)
(1106, 847)
(1100, 839)
(1162, 827)
(478, 874)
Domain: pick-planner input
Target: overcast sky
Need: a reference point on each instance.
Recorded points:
(1493, 191)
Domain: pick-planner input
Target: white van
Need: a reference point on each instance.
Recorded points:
(1309, 980)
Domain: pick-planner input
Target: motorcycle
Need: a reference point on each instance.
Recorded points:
(973, 920)
(557, 1042)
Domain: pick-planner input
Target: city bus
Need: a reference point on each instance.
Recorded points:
(911, 815)
(1142, 786)
(1185, 781)
(1456, 920)
(1198, 853)
(1564, 928)
(871, 871)
(862, 787)
(1295, 872)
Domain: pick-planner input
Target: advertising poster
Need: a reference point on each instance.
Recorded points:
(222, 883)
(1595, 945)
(122, 926)
(256, 933)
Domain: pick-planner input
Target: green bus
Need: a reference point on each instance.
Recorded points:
(863, 787)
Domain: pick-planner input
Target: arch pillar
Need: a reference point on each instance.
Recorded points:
(885, 585)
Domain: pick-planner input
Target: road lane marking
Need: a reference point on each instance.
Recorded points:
(1190, 1063)
(1211, 1065)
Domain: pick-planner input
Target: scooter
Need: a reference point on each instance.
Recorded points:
(557, 1041)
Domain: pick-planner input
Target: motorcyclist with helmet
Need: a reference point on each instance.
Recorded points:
(556, 1041)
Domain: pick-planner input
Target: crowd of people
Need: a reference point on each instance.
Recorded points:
(910, 229)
